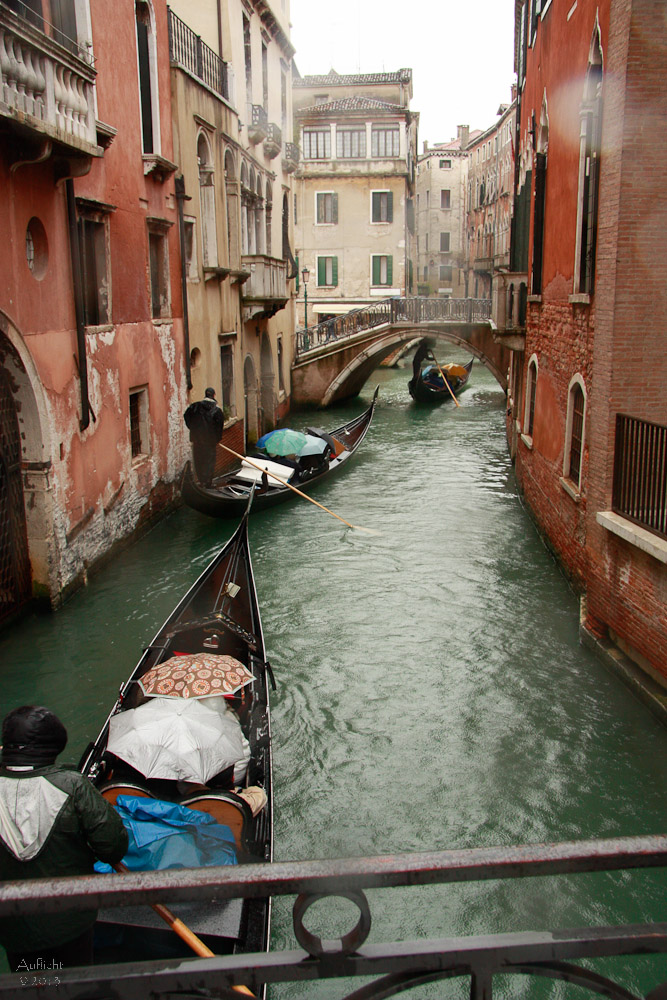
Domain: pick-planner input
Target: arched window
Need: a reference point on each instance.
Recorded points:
(245, 211)
(531, 392)
(232, 202)
(207, 202)
(589, 169)
(268, 209)
(540, 198)
(573, 452)
(259, 217)
(251, 199)
(148, 84)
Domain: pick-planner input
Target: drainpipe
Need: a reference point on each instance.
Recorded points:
(181, 196)
(75, 252)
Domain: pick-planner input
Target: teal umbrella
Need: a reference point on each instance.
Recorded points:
(285, 442)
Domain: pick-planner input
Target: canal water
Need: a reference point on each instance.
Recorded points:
(432, 691)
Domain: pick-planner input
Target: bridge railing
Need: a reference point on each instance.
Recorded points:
(393, 967)
(389, 311)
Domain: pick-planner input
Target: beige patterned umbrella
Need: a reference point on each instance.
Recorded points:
(196, 675)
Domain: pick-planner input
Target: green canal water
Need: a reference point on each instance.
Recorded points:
(432, 691)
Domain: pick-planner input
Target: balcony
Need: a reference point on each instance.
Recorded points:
(291, 157)
(510, 296)
(187, 50)
(258, 124)
(47, 90)
(273, 142)
(265, 291)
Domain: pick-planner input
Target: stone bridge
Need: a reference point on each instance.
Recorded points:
(334, 359)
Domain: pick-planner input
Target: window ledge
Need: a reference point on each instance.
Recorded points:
(528, 441)
(216, 272)
(634, 534)
(162, 320)
(570, 489)
(159, 166)
(535, 298)
(100, 328)
(580, 299)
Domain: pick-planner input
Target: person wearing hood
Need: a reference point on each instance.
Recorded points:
(205, 420)
(53, 822)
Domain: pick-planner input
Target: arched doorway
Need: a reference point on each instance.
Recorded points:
(267, 380)
(15, 578)
(251, 401)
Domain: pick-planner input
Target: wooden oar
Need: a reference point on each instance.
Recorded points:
(445, 380)
(184, 932)
(244, 458)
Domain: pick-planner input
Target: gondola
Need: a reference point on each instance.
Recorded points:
(219, 614)
(228, 495)
(427, 384)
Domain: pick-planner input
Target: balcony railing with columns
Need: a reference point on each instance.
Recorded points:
(265, 291)
(44, 86)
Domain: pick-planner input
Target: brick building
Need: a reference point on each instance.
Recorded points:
(92, 358)
(587, 404)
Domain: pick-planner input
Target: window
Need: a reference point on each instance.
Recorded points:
(381, 269)
(382, 206)
(428, 199)
(190, 248)
(445, 198)
(139, 441)
(147, 80)
(317, 143)
(94, 272)
(444, 242)
(283, 97)
(531, 392)
(207, 202)
(445, 164)
(426, 243)
(574, 447)
(425, 272)
(227, 378)
(385, 141)
(247, 51)
(327, 271)
(158, 252)
(589, 166)
(265, 77)
(350, 143)
(281, 377)
(538, 221)
(326, 208)
(446, 272)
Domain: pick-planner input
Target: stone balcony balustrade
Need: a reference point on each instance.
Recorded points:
(265, 291)
(273, 142)
(258, 124)
(44, 87)
(291, 156)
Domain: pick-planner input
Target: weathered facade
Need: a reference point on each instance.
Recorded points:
(442, 171)
(587, 408)
(355, 187)
(231, 95)
(91, 338)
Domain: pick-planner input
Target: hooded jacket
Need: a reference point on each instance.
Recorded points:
(53, 823)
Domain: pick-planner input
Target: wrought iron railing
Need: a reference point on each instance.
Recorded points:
(394, 310)
(640, 473)
(392, 967)
(186, 49)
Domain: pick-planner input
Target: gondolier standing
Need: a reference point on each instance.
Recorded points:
(205, 420)
(52, 822)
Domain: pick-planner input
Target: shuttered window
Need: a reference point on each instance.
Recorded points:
(327, 271)
(327, 208)
(382, 269)
(382, 206)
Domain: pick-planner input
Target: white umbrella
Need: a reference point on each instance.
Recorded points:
(184, 740)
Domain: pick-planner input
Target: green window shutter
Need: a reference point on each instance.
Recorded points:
(376, 271)
(390, 207)
(375, 209)
(390, 268)
(334, 209)
(321, 270)
(320, 208)
(334, 270)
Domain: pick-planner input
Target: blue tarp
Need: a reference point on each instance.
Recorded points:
(166, 835)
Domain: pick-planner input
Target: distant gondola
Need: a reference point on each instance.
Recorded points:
(219, 614)
(427, 384)
(228, 494)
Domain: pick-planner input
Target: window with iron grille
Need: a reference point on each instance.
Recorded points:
(385, 141)
(350, 143)
(317, 143)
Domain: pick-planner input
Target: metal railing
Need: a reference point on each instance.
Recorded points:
(189, 51)
(393, 967)
(389, 311)
(640, 473)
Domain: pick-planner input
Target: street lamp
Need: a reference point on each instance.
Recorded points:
(305, 274)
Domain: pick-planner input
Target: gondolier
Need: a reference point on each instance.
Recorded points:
(205, 420)
(53, 822)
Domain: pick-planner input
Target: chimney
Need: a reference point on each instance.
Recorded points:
(463, 134)
(425, 145)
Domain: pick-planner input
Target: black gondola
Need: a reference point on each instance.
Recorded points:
(219, 613)
(228, 495)
(427, 384)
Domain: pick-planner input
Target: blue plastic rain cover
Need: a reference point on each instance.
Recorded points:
(166, 835)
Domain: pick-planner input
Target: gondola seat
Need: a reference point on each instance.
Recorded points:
(116, 788)
(227, 808)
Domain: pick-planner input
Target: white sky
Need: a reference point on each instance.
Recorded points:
(461, 53)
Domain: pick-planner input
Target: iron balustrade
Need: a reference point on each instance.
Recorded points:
(394, 967)
(640, 473)
(389, 312)
(189, 51)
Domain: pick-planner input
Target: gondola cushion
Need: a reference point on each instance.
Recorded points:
(250, 474)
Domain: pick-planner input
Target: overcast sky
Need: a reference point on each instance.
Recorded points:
(461, 54)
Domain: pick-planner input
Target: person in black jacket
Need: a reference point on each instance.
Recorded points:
(205, 420)
(53, 822)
